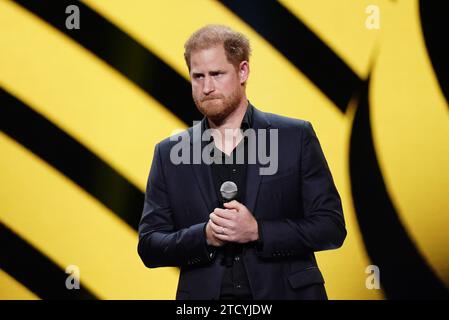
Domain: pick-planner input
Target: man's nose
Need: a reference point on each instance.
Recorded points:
(208, 86)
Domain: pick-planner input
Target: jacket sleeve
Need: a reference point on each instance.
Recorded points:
(323, 225)
(160, 245)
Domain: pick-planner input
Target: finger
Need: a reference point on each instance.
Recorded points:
(216, 229)
(219, 221)
(223, 237)
(234, 204)
(225, 213)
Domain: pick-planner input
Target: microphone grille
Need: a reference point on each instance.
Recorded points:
(228, 190)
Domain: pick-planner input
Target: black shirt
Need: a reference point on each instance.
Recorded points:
(235, 284)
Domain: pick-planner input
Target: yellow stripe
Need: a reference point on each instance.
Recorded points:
(274, 86)
(80, 93)
(11, 289)
(70, 227)
(341, 25)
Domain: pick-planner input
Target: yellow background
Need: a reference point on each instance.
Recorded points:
(120, 123)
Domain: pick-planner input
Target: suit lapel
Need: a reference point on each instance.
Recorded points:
(253, 176)
(202, 171)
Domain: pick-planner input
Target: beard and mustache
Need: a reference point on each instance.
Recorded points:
(217, 107)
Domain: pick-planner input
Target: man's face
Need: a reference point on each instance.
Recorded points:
(216, 85)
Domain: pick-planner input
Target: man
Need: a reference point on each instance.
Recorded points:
(260, 245)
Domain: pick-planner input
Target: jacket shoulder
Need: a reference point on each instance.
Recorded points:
(283, 122)
(166, 144)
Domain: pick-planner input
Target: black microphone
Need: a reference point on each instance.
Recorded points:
(228, 192)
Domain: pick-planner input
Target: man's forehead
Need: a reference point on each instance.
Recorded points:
(209, 57)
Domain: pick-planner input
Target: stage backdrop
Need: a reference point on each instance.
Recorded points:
(86, 92)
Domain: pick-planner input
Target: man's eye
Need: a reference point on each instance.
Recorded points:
(198, 76)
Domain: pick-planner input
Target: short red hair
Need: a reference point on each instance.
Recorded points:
(236, 45)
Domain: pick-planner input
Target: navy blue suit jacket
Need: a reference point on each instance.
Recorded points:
(298, 211)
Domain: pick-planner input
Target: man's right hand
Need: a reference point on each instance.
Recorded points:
(210, 237)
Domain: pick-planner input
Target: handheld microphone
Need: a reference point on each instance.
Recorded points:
(228, 192)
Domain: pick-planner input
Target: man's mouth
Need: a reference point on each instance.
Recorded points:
(208, 99)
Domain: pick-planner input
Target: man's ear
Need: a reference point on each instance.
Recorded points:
(243, 71)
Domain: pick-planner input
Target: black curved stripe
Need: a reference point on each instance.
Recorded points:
(71, 158)
(34, 270)
(123, 53)
(404, 274)
(292, 38)
(435, 25)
